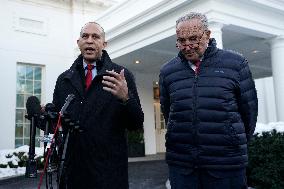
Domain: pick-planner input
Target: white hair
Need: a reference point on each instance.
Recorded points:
(194, 15)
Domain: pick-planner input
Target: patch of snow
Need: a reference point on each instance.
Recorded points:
(8, 172)
(7, 156)
(260, 127)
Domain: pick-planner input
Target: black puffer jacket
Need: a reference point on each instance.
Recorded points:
(210, 116)
(97, 156)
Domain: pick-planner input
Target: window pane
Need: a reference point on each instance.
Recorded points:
(26, 141)
(37, 88)
(37, 143)
(37, 132)
(19, 130)
(18, 143)
(161, 116)
(21, 86)
(21, 71)
(20, 101)
(163, 125)
(19, 116)
(37, 71)
(29, 87)
(29, 72)
(26, 130)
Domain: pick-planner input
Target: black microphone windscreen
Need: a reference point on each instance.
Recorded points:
(33, 106)
(49, 107)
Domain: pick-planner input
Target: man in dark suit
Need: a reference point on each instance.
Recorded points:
(106, 104)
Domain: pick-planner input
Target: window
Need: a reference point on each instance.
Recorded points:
(159, 117)
(29, 83)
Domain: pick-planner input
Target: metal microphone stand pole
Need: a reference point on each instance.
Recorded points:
(31, 168)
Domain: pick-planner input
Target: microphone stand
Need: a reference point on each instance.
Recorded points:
(31, 168)
(49, 116)
(62, 166)
(50, 169)
(56, 146)
(61, 180)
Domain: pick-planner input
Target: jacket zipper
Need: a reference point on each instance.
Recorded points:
(195, 121)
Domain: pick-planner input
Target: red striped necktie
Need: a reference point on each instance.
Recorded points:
(89, 75)
(197, 64)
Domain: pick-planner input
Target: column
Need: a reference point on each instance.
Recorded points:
(277, 57)
(216, 32)
(144, 84)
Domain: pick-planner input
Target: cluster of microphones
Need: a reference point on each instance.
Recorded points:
(46, 118)
(36, 117)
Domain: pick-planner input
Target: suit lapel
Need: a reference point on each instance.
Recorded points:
(76, 76)
(103, 97)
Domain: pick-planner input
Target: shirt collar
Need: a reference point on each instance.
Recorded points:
(201, 59)
(85, 64)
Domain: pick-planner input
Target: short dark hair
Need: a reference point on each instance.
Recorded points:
(103, 31)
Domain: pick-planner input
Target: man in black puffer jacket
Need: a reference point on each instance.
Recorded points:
(209, 102)
(106, 104)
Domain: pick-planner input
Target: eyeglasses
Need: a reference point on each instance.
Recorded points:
(190, 41)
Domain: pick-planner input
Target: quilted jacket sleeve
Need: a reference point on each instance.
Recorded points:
(248, 104)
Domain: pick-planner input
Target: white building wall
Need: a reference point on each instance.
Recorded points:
(144, 84)
(49, 46)
(266, 100)
(35, 32)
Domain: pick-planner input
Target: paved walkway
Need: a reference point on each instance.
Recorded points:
(159, 156)
(149, 172)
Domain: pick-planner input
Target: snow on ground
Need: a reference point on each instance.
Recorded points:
(7, 156)
(260, 127)
(8, 172)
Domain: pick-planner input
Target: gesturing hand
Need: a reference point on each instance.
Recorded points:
(116, 84)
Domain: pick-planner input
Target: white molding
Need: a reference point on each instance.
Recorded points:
(87, 6)
(23, 22)
(147, 14)
(239, 15)
(136, 31)
(124, 47)
(274, 4)
(277, 42)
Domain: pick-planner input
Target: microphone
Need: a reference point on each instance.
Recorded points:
(49, 107)
(50, 115)
(33, 107)
(33, 112)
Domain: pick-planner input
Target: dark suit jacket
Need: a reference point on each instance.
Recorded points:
(97, 155)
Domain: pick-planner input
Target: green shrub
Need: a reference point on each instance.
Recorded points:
(266, 161)
(135, 136)
(3, 165)
(19, 159)
(9, 156)
(136, 146)
(40, 162)
(13, 164)
(22, 158)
